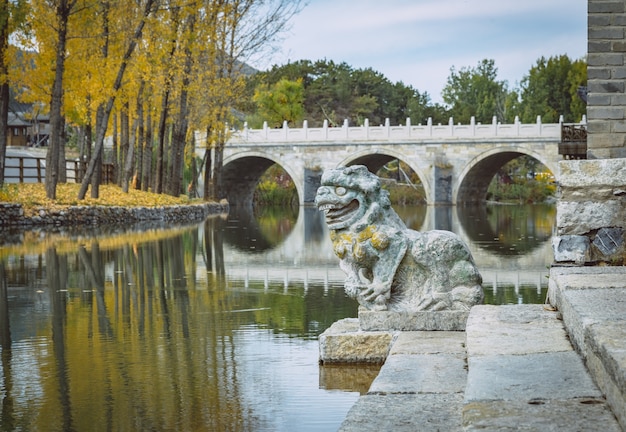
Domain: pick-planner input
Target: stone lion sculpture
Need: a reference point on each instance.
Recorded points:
(388, 266)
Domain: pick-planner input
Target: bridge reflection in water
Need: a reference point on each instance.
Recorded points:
(511, 246)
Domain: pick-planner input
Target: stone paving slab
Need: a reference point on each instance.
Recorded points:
(429, 342)
(559, 375)
(572, 415)
(421, 373)
(405, 413)
(514, 329)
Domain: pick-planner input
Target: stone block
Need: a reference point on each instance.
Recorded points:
(582, 308)
(608, 244)
(571, 248)
(606, 361)
(405, 413)
(592, 173)
(343, 342)
(585, 414)
(582, 217)
(514, 330)
(553, 375)
(429, 342)
(428, 373)
(412, 321)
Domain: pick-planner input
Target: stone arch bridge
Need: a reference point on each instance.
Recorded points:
(454, 162)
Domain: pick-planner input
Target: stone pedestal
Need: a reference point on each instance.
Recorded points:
(368, 338)
(412, 321)
(345, 342)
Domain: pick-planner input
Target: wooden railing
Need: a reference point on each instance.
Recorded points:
(32, 169)
(573, 143)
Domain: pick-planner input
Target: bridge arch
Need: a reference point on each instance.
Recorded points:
(473, 181)
(374, 161)
(241, 173)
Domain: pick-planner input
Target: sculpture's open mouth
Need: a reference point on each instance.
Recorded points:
(335, 214)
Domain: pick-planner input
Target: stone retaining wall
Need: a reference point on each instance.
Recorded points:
(591, 212)
(12, 215)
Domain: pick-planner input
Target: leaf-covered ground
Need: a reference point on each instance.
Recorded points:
(33, 196)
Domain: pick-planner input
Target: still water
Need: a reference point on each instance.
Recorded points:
(211, 327)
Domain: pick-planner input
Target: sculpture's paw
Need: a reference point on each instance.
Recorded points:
(435, 302)
(374, 293)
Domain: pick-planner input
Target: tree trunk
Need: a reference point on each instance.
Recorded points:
(207, 192)
(160, 165)
(56, 103)
(124, 140)
(128, 164)
(130, 154)
(62, 167)
(147, 155)
(140, 142)
(179, 135)
(96, 179)
(4, 84)
(217, 170)
(4, 125)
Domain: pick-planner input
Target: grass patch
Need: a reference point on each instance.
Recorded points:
(32, 196)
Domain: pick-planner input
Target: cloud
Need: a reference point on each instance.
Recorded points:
(417, 42)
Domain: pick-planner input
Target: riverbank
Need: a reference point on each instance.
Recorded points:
(26, 206)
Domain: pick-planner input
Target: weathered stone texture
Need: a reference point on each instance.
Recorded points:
(389, 267)
(591, 212)
(592, 301)
(344, 342)
(412, 321)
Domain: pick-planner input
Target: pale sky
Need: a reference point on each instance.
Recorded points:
(418, 41)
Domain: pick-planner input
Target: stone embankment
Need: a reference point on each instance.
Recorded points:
(12, 215)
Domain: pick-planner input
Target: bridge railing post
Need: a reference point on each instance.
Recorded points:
(388, 127)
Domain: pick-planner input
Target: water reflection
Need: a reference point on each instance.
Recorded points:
(145, 333)
(508, 229)
(208, 327)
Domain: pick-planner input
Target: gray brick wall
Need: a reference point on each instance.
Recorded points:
(606, 68)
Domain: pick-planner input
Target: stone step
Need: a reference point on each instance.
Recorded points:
(523, 374)
(593, 303)
(419, 388)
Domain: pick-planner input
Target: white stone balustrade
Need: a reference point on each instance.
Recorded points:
(388, 132)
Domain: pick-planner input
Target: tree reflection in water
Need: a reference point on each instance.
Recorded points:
(141, 331)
